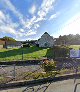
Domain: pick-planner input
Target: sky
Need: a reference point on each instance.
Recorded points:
(29, 19)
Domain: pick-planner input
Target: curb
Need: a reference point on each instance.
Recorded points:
(39, 81)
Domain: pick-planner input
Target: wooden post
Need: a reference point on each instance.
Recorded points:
(14, 72)
(22, 54)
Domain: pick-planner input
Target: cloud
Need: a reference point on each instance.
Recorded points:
(44, 9)
(46, 6)
(36, 26)
(11, 7)
(6, 24)
(39, 19)
(30, 32)
(32, 10)
(21, 30)
(25, 23)
(54, 16)
(30, 22)
(25, 27)
(7, 29)
(2, 16)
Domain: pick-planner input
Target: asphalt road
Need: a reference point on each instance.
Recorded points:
(60, 86)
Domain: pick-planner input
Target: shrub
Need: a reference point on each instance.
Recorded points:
(49, 66)
(60, 51)
(26, 45)
(37, 45)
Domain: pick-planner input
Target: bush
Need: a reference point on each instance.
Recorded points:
(49, 66)
(26, 45)
(60, 51)
(37, 45)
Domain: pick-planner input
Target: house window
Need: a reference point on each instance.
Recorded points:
(46, 44)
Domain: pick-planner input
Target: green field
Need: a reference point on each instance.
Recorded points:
(28, 53)
(76, 47)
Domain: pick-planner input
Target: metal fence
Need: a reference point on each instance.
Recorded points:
(14, 72)
(9, 73)
(26, 71)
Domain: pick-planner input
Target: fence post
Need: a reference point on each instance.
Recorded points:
(5, 56)
(22, 54)
(14, 72)
(54, 54)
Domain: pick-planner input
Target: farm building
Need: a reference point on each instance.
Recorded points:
(13, 44)
(45, 41)
(2, 43)
(7, 42)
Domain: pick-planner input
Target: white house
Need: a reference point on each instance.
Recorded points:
(45, 41)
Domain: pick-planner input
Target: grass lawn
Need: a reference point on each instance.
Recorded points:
(28, 53)
(76, 47)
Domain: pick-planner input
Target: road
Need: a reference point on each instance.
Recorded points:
(60, 86)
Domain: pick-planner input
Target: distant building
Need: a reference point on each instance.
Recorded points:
(45, 41)
(2, 43)
(28, 43)
(13, 44)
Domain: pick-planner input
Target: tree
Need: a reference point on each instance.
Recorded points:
(68, 39)
(6, 38)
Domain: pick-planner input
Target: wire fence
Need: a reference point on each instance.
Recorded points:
(16, 73)
(10, 73)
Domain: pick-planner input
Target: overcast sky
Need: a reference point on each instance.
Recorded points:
(29, 19)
